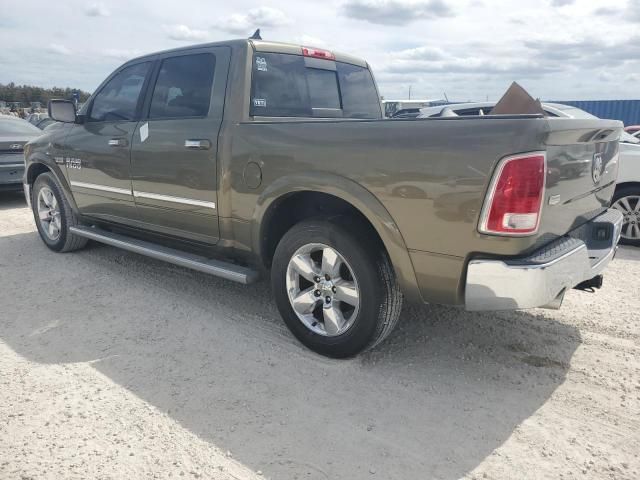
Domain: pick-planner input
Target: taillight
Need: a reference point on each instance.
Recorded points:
(317, 53)
(514, 202)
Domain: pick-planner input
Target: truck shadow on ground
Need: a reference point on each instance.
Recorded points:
(438, 397)
(10, 199)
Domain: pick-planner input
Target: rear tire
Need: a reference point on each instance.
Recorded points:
(53, 215)
(359, 299)
(627, 201)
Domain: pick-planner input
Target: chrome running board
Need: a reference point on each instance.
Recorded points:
(228, 271)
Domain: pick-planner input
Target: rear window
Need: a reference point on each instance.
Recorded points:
(286, 85)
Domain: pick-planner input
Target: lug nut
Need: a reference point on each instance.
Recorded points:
(317, 293)
(327, 299)
(316, 279)
(334, 289)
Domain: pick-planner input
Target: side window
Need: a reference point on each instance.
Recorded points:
(183, 88)
(279, 86)
(359, 96)
(118, 99)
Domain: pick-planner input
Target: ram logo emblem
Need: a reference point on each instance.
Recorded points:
(596, 168)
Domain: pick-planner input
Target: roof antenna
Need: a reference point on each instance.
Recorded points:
(256, 35)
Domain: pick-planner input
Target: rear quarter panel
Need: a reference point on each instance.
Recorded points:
(431, 176)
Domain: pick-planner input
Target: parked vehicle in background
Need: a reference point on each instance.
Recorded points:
(626, 197)
(240, 157)
(14, 133)
(484, 108)
(392, 107)
(407, 113)
(40, 120)
(44, 123)
(632, 129)
(34, 118)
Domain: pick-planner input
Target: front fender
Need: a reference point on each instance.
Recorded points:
(361, 199)
(35, 164)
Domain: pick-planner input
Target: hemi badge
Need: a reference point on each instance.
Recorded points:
(554, 199)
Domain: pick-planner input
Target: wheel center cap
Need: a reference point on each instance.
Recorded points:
(326, 287)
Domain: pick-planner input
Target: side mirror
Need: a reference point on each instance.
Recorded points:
(62, 111)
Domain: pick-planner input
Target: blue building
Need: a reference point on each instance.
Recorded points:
(627, 111)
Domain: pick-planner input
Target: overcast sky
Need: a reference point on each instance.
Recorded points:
(470, 49)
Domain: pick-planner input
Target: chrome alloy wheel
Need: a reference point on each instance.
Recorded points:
(49, 213)
(629, 206)
(322, 289)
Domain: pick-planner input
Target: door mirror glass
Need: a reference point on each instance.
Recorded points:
(62, 111)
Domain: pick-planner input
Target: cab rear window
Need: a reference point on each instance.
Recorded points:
(286, 85)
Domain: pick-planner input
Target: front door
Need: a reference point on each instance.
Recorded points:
(174, 148)
(97, 151)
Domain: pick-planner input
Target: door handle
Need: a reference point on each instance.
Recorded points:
(118, 142)
(202, 144)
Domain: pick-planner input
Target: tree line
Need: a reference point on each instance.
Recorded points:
(29, 93)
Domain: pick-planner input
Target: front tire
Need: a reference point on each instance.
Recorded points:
(338, 296)
(54, 216)
(627, 201)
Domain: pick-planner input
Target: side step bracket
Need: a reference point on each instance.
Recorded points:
(218, 268)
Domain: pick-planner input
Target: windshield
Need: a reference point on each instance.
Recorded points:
(10, 126)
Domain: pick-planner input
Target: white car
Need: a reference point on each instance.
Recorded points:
(627, 194)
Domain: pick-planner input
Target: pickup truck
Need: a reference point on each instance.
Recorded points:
(248, 158)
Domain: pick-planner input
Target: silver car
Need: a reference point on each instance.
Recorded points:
(14, 133)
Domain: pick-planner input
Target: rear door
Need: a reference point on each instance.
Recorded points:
(173, 156)
(97, 152)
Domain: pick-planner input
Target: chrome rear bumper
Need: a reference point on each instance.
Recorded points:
(541, 279)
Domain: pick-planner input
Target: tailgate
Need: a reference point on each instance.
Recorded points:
(582, 167)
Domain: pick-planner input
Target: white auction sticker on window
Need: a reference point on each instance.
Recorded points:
(259, 102)
(144, 132)
(261, 64)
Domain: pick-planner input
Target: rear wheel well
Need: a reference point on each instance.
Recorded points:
(296, 207)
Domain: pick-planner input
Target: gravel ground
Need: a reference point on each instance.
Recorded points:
(117, 366)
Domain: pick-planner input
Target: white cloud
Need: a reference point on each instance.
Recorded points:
(120, 54)
(58, 49)
(396, 12)
(183, 32)
(555, 52)
(261, 17)
(310, 41)
(421, 53)
(97, 10)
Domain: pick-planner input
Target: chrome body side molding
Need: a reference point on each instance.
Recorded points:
(169, 198)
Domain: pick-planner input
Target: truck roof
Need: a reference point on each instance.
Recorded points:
(262, 46)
